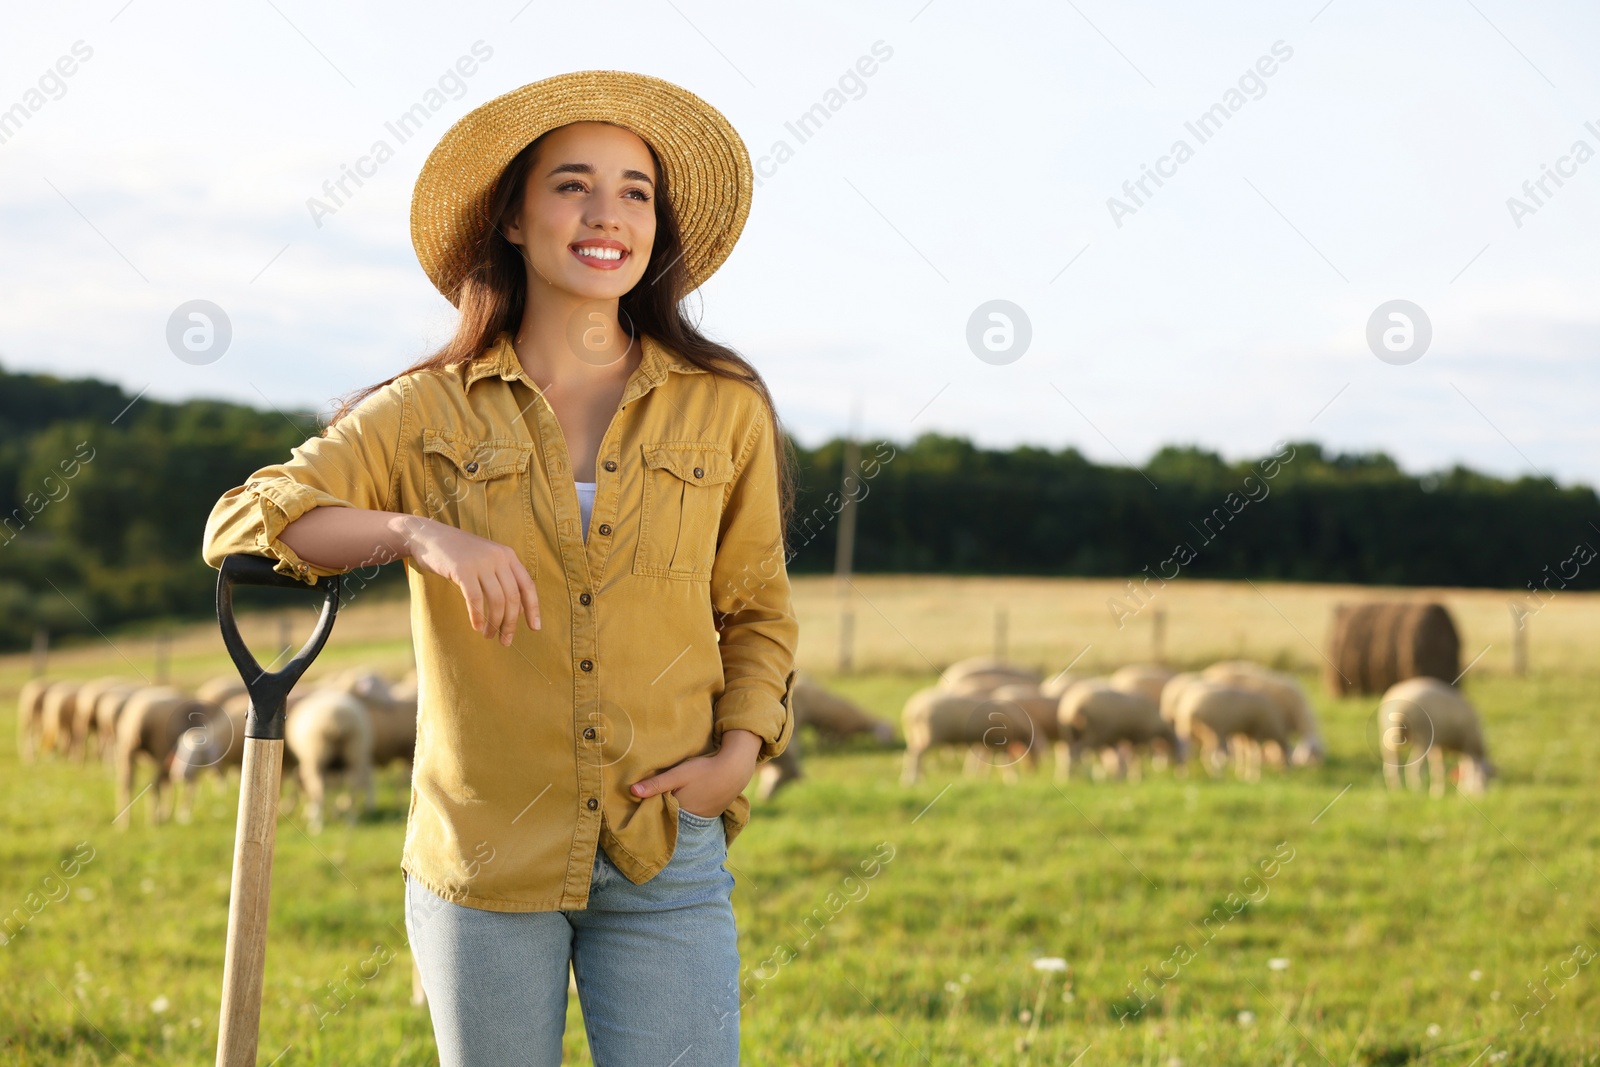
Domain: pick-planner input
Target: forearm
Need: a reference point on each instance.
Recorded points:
(741, 744)
(351, 537)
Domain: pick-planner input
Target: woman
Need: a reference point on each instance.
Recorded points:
(578, 455)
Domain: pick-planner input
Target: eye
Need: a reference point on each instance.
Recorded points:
(644, 198)
(564, 185)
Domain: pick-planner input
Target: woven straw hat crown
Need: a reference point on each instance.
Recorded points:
(707, 167)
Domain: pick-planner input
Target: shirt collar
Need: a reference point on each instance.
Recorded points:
(501, 359)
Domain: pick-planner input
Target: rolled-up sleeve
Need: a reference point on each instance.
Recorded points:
(751, 597)
(354, 464)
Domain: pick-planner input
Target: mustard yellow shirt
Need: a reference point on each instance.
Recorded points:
(671, 624)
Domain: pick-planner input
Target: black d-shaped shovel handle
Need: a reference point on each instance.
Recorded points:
(269, 691)
(245, 958)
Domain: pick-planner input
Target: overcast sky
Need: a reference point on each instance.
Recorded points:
(1229, 307)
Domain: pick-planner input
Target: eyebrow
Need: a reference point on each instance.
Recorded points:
(586, 168)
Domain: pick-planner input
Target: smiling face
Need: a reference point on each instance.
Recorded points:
(588, 216)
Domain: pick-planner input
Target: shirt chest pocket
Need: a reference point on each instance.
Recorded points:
(480, 485)
(684, 482)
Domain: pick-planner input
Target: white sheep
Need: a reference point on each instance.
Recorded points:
(832, 716)
(1097, 716)
(1057, 684)
(330, 734)
(108, 712)
(220, 689)
(1172, 690)
(219, 748)
(980, 675)
(85, 721)
(30, 716)
(1286, 692)
(1031, 700)
(935, 716)
(57, 712)
(1146, 679)
(1214, 714)
(152, 721)
(1429, 716)
(358, 681)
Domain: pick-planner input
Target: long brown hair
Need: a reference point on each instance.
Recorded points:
(493, 294)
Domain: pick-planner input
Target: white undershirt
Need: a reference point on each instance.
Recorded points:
(585, 503)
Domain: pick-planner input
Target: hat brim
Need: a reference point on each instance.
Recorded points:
(708, 172)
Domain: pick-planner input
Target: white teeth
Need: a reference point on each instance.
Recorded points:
(600, 253)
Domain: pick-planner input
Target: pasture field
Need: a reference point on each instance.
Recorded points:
(1309, 918)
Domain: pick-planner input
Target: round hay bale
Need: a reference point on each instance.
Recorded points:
(1383, 648)
(1332, 680)
(1373, 646)
(1429, 644)
(1350, 648)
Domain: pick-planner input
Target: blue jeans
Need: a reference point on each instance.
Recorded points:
(656, 965)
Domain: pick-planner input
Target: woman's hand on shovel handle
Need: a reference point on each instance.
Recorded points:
(496, 585)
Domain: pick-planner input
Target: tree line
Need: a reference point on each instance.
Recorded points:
(103, 501)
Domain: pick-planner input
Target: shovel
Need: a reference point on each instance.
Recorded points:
(246, 956)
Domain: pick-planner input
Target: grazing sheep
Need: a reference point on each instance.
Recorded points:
(394, 730)
(1170, 693)
(30, 717)
(1146, 679)
(1214, 714)
(832, 716)
(1057, 684)
(57, 713)
(86, 724)
(1039, 708)
(216, 747)
(358, 681)
(980, 675)
(780, 770)
(1431, 715)
(107, 711)
(407, 687)
(936, 716)
(1286, 692)
(1097, 716)
(330, 734)
(152, 721)
(221, 689)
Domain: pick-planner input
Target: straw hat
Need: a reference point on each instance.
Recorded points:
(708, 173)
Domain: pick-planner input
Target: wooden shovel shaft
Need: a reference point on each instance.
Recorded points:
(246, 959)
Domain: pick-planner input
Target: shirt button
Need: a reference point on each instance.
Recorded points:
(593, 803)
(589, 733)
(605, 528)
(472, 468)
(586, 664)
(611, 464)
(584, 598)
(699, 473)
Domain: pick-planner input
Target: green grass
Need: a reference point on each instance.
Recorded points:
(1387, 908)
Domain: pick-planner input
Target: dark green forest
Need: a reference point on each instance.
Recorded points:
(103, 500)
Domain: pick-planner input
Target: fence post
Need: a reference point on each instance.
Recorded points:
(1158, 636)
(1519, 641)
(41, 649)
(1000, 620)
(163, 654)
